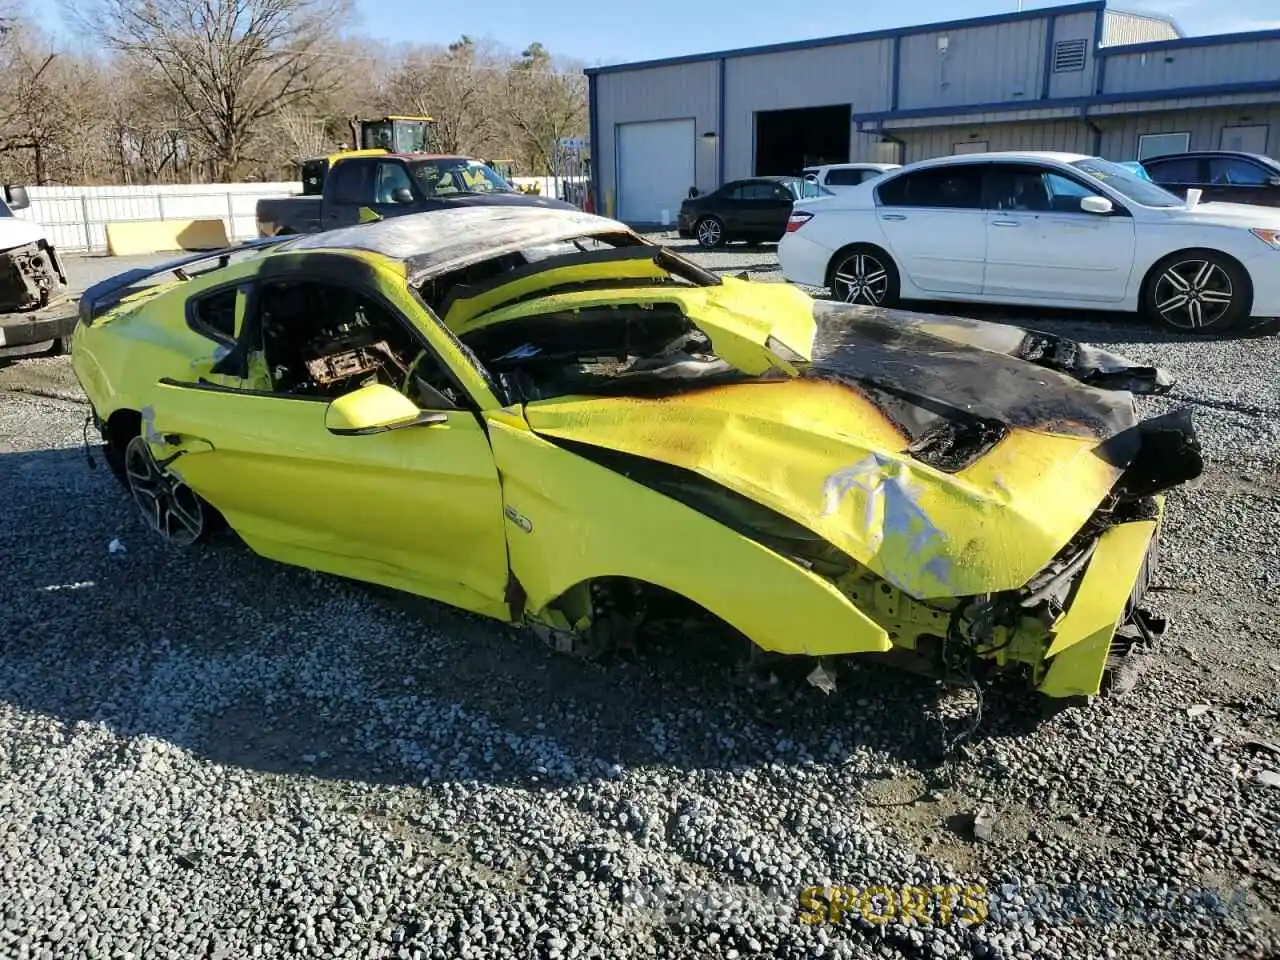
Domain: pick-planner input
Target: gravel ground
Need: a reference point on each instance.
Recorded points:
(205, 754)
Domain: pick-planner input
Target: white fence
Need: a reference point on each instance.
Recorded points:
(75, 218)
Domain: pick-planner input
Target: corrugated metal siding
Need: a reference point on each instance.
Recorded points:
(659, 93)
(1120, 133)
(1066, 135)
(1121, 27)
(859, 74)
(1192, 66)
(982, 65)
(1079, 83)
(75, 218)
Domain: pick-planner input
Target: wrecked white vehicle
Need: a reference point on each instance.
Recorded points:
(31, 274)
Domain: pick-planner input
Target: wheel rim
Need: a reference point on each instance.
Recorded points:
(708, 233)
(1192, 294)
(861, 279)
(168, 506)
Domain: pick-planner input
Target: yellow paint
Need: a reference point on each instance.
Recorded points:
(589, 522)
(131, 237)
(824, 456)
(417, 509)
(369, 407)
(463, 310)
(1082, 638)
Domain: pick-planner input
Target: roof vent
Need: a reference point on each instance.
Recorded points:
(1069, 55)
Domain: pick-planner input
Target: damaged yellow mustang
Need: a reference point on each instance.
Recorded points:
(542, 417)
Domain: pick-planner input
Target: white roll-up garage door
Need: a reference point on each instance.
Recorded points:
(655, 169)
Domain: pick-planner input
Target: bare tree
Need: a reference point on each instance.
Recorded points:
(456, 87)
(233, 64)
(543, 105)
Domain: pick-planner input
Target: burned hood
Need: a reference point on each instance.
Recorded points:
(955, 387)
(946, 465)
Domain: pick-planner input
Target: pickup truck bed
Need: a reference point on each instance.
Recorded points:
(288, 215)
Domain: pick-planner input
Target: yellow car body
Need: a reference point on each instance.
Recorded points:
(827, 480)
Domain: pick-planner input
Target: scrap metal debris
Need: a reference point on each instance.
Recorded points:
(823, 679)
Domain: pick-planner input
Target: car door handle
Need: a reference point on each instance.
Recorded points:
(1005, 223)
(892, 216)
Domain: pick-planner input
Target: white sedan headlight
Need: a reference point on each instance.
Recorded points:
(1270, 237)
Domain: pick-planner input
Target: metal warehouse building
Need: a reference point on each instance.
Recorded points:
(1079, 77)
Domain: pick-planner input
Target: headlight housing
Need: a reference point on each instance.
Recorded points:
(1270, 237)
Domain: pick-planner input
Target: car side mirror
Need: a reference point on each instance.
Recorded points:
(402, 195)
(17, 197)
(1273, 181)
(376, 408)
(1099, 205)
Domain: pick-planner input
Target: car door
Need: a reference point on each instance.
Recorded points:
(1242, 180)
(1176, 174)
(369, 184)
(934, 227)
(1042, 246)
(774, 210)
(418, 509)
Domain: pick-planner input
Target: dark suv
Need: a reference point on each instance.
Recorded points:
(1221, 175)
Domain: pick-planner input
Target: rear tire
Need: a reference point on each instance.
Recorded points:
(1197, 291)
(164, 501)
(865, 275)
(709, 232)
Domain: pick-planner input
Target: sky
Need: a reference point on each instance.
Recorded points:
(615, 31)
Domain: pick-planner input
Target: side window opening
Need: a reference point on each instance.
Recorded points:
(215, 314)
(323, 340)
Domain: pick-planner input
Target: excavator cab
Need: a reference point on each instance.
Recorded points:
(371, 137)
(394, 134)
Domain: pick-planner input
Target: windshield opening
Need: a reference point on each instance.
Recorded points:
(450, 176)
(1127, 182)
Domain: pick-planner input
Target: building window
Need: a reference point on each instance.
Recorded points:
(1069, 55)
(1245, 139)
(1159, 144)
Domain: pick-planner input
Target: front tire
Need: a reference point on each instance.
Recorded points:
(1197, 291)
(864, 275)
(709, 232)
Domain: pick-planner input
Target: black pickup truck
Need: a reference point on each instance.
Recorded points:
(391, 184)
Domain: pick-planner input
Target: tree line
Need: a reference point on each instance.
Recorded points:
(185, 91)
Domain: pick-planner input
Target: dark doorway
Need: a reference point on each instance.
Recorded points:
(787, 141)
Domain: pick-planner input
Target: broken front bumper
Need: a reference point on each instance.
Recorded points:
(1109, 592)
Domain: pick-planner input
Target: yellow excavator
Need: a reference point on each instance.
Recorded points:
(390, 134)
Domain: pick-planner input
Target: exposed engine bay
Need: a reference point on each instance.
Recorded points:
(30, 277)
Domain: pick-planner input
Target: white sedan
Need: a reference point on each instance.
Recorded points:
(1038, 229)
